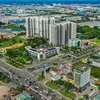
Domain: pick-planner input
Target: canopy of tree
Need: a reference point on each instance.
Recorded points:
(38, 42)
(19, 55)
(89, 32)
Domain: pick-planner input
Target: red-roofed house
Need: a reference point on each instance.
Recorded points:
(53, 71)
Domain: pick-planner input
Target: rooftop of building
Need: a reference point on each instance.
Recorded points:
(64, 67)
(21, 97)
(91, 24)
(97, 60)
(54, 69)
(98, 97)
(90, 89)
(56, 77)
(82, 68)
(40, 50)
(28, 98)
(70, 75)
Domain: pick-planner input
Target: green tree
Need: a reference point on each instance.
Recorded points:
(60, 82)
(14, 41)
(68, 86)
(34, 99)
(80, 99)
(43, 74)
(19, 89)
(96, 27)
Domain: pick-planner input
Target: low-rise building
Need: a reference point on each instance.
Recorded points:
(92, 90)
(85, 42)
(69, 78)
(21, 97)
(96, 62)
(42, 53)
(56, 77)
(53, 71)
(74, 42)
(97, 97)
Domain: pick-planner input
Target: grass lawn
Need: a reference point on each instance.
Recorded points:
(55, 64)
(52, 85)
(98, 84)
(67, 94)
(96, 40)
(80, 99)
(77, 64)
(95, 71)
(11, 41)
(40, 78)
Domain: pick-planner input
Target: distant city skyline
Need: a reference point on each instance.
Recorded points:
(49, 1)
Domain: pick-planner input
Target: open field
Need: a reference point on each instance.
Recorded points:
(3, 91)
(12, 41)
(95, 41)
(52, 85)
(67, 94)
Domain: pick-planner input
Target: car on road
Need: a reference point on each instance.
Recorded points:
(63, 99)
(42, 98)
(16, 79)
(36, 87)
(19, 77)
(29, 83)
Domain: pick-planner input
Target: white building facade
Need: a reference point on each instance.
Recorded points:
(60, 33)
(38, 25)
(96, 63)
(82, 77)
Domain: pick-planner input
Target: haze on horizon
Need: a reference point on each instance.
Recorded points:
(49, 1)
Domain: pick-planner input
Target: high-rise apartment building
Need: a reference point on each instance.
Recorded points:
(57, 33)
(38, 25)
(60, 33)
(29, 27)
(82, 77)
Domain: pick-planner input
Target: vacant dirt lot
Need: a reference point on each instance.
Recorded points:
(3, 91)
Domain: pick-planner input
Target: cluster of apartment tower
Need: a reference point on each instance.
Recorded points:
(56, 33)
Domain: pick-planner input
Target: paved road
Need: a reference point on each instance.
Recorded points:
(39, 66)
(19, 79)
(19, 76)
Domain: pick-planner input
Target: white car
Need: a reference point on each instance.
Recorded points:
(42, 98)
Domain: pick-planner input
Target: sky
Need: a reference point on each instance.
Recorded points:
(49, 0)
